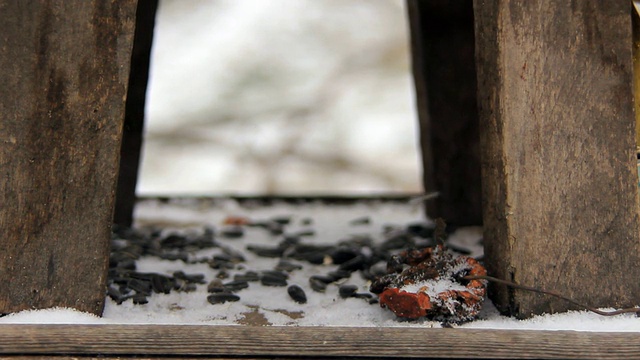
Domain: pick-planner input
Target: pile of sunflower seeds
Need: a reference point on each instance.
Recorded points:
(358, 254)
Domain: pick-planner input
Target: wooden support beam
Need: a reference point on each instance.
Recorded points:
(64, 67)
(442, 42)
(558, 151)
(134, 112)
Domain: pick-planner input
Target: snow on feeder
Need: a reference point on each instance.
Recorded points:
(430, 283)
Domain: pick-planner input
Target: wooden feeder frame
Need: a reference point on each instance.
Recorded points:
(527, 124)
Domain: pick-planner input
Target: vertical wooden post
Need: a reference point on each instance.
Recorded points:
(558, 151)
(134, 112)
(63, 68)
(442, 42)
(635, 22)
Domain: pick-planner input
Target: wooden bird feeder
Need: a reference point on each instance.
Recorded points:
(526, 111)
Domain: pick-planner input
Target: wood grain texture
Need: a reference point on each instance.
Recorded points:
(557, 138)
(635, 22)
(64, 70)
(249, 341)
(444, 72)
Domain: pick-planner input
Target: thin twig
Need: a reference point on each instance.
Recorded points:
(422, 198)
(552, 293)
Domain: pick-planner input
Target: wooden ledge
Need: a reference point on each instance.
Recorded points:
(248, 341)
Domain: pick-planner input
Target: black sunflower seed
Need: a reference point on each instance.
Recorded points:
(220, 264)
(365, 220)
(215, 286)
(323, 278)
(248, 276)
(275, 273)
(285, 265)
(114, 293)
(232, 232)
(362, 295)
(190, 278)
(273, 280)
(180, 255)
(235, 285)
(139, 299)
(140, 286)
(347, 290)
(174, 241)
(422, 230)
(317, 284)
(184, 286)
(282, 220)
(357, 263)
(161, 284)
(297, 294)
(342, 255)
(266, 251)
(339, 274)
(128, 264)
(222, 298)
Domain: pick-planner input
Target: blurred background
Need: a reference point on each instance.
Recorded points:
(280, 97)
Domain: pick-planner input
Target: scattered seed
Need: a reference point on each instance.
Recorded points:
(114, 293)
(282, 220)
(184, 286)
(276, 274)
(266, 251)
(339, 275)
(297, 294)
(272, 280)
(357, 263)
(140, 286)
(342, 255)
(161, 284)
(301, 233)
(190, 278)
(285, 265)
(232, 232)
(323, 278)
(215, 286)
(362, 295)
(173, 241)
(365, 220)
(220, 264)
(222, 298)
(248, 276)
(235, 285)
(317, 284)
(174, 256)
(128, 264)
(140, 299)
(422, 230)
(346, 290)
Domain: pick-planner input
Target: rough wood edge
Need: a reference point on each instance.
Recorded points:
(198, 340)
(135, 112)
(444, 74)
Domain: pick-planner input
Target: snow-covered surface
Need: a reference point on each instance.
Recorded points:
(260, 305)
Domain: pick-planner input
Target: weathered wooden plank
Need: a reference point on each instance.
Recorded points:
(134, 112)
(635, 22)
(63, 69)
(442, 46)
(195, 340)
(558, 151)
